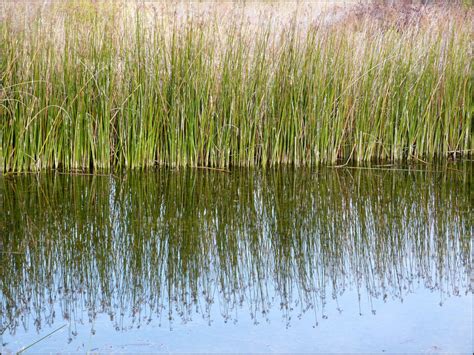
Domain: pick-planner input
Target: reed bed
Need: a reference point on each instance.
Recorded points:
(106, 85)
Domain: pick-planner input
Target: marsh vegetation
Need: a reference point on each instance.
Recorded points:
(106, 85)
(219, 102)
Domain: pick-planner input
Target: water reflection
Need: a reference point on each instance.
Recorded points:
(170, 246)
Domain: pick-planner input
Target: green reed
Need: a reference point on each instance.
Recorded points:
(103, 87)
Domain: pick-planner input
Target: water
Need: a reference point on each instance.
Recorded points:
(348, 260)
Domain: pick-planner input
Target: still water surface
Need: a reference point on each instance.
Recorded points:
(352, 260)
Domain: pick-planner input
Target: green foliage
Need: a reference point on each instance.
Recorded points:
(96, 88)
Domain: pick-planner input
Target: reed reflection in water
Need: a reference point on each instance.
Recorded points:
(168, 246)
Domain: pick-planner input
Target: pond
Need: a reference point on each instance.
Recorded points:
(354, 259)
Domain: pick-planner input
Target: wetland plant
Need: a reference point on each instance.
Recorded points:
(106, 85)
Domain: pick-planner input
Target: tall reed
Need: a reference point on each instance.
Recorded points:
(97, 86)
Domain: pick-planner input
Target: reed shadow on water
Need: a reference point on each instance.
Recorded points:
(166, 246)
